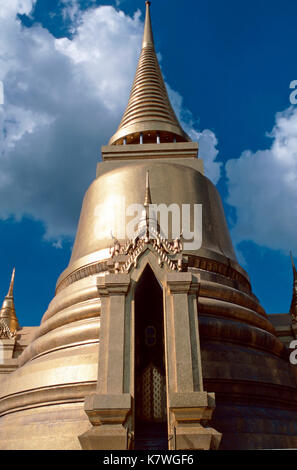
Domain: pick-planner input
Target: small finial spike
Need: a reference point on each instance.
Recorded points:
(148, 39)
(148, 198)
(10, 290)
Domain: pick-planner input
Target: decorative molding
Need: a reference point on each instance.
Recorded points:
(51, 395)
(179, 283)
(191, 261)
(113, 285)
(81, 273)
(217, 267)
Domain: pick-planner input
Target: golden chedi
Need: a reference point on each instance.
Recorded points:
(149, 343)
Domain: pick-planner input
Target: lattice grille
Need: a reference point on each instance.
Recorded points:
(153, 394)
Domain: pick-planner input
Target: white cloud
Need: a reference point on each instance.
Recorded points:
(70, 10)
(1, 93)
(263, 188)
(59, 110)
(64, 98)
(9, 9)
(58, 244)
(208, 152)
(207, 140)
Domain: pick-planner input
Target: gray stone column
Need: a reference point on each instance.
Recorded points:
(108, 409)
(189, 406)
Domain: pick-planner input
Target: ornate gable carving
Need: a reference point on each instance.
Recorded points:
(5, 332)
(124, 257)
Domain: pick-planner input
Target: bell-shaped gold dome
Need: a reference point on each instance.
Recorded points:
(170, 183)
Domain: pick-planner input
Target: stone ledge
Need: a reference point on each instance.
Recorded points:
(107, 402)
(125, 152)
(191, 399)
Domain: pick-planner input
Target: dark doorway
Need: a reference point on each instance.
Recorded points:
(150, 377)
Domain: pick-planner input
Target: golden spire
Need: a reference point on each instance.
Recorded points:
(293, 308)
(7, 312)
(148, 39)
(149, 116)
(11, 286)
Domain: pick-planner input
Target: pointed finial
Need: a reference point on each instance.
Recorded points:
(148, 198)
(148, 39)
(10, 290)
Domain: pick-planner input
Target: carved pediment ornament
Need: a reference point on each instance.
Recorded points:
(133, 249)
(149, 234)
(5, 332)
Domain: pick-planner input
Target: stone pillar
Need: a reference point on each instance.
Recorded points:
(7, 362)
(7, 346)
(109, 408)
(189, 406)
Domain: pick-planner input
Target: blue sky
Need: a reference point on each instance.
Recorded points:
(67, 67)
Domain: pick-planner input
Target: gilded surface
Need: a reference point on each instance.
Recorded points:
(9, 322)
(243, 361)
(170, 184)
